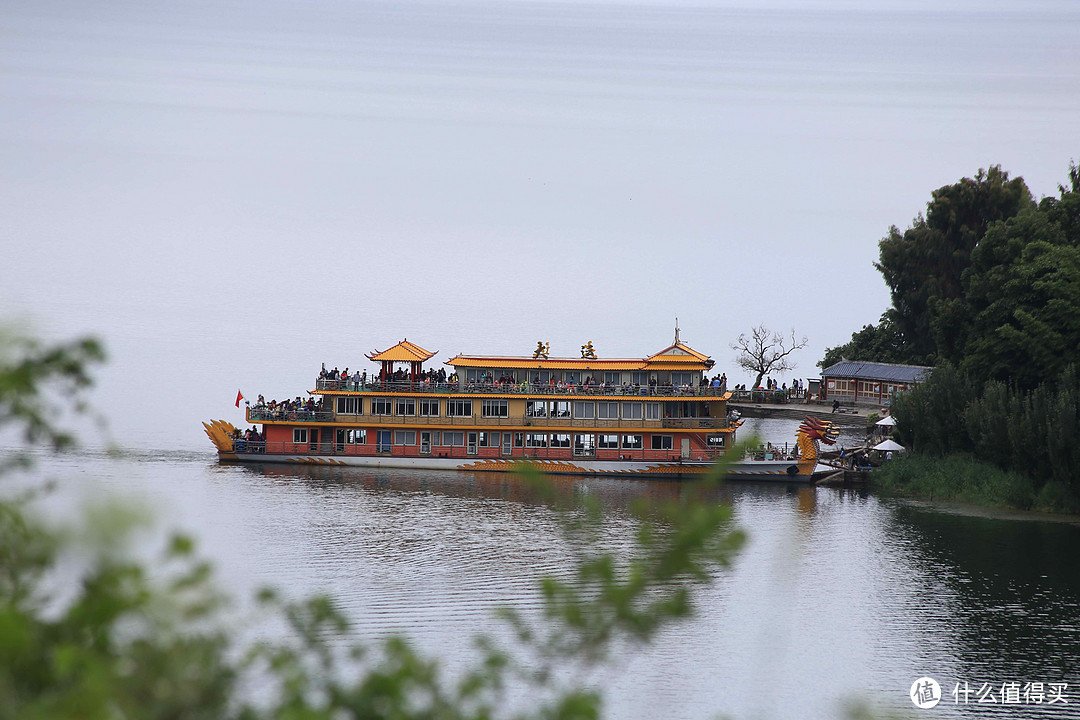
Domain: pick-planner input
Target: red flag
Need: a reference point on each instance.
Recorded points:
(239, 397)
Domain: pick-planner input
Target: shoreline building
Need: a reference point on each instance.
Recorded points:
(861, 382)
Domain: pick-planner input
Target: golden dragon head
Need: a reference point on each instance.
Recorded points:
(815, 429)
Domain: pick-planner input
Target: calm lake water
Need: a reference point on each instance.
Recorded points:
(837, 595)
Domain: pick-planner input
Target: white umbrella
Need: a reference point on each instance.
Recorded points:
(887, 420)
(888, 445)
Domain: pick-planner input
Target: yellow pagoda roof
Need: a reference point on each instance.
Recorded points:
(404, 351)
(677, 354)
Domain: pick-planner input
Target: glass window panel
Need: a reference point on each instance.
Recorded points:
(607, 410)
(584, 409)
(494, 408)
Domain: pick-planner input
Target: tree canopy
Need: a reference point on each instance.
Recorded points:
(877, 343)
(987, 280)
(924, 265)
(1022, 294)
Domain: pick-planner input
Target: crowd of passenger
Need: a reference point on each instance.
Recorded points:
(591, 386)
(250, 440)
(797, 389)
(343, 380)
(296, 409)
(506, 382)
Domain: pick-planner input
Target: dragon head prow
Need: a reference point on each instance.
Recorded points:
(816, 429)
(221, 434)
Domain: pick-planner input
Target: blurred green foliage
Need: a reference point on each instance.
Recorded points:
(89, 632)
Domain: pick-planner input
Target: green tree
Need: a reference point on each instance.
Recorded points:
(1022, 291)
(923, 266)
(876, 343)
(930, 416)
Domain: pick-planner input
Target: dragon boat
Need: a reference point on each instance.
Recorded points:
(656, 416)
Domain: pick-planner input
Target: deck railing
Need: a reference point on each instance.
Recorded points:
(773, 397)
(325, 385)
(265, 414)
(259, 414)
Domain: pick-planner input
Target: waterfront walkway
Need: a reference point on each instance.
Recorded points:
(797, 410)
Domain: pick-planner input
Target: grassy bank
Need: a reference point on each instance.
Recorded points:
(963, 478)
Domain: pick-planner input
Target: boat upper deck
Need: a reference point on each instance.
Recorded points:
(427, 387)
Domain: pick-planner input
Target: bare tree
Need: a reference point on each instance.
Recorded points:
(765, 351)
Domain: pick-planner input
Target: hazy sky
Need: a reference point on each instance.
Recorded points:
(231, 193)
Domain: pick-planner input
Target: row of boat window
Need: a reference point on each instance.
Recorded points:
(495, 408)
(386, 438)
(610, 378)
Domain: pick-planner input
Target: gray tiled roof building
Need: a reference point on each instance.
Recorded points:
(861, 381)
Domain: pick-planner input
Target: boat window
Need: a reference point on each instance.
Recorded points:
(639, 378)
(584, 409)
(490, 439)
(584, 444)
(459, 408)
(631, 411)
(404, 437)
(613, 378)
(661, 442)
(405, 406)
(350, 405)
(610, 442)
(453, 439)
(429, 408)
(535, 440)
(607, 410)
(299, 435)
(494, 408)
(631, 442)
(535, 408)
(652, 411)
(560, 408)
(572, 376)
(380, 406)
(560, 441)
(356, 437)
(682, 378)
